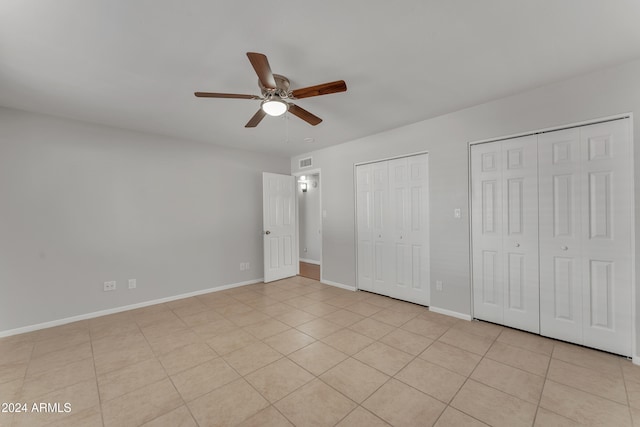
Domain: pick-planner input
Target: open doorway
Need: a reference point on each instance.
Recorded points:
(309, 225)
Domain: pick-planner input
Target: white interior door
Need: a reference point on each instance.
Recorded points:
(606, 235)
(486, 221)
(408, 199)
(279, 222)
(520, 233)
(364, 220)
(382, 261)
(560, 182)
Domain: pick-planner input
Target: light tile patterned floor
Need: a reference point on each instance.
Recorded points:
(296, 352)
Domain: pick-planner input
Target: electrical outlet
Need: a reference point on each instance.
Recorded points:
(457, 213)
(109, 286)
(132, 284)
(438, 285)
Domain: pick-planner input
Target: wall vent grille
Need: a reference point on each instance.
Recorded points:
(306, 163)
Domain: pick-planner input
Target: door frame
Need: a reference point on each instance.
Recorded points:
(355, 211)
(632, 214)
(296, 176)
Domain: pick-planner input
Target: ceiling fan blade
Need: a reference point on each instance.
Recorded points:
(224, 95)
(304, 114)
(323, 89)
(263, 70)
(257, 118)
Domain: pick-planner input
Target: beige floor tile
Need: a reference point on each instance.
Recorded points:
(630, 371)
(12, 371)
(186, 357)
(278, 379)
(451, 417)
(117, 328)
(110, 343)
(426, 328)
(202, 317)
(251, 358)
(6, 419)
(179, 417)
(193, 306)
(295, 317)
(15, 351)
(315, 404)
(478, 327)
(363, 308)
(474, 343)
(269, 417)
(526, 340)
(230, 341)
(595, 382)
(58, 359)
(10, 391)
(320, 309)
(81, 396)
(234, 309)
(142, 405)
(371, 328)
(582, 407)
(354, 379)
(266, 328)
(401, 405)
(406, 341)
(248, 318)
(493, 406)
(170, 325)
(453, 358)
(58, 343)
(85, 418)
(117, 359)
(635, 417)
(319, 328)
(344, 317)
(168, 343)
(633, 393)
(432, 379)
(393, 318)
(513, 381)
(535, 363)
(55, 379)
(588, 358)
(211, 329)
(384, 358)
(289, 341)
(204, 378)
(380, 300)
(546, 418)
(300, 302)
(228, 405)
(360, 417)
(125, 380)
(347, 341)
(318, 357)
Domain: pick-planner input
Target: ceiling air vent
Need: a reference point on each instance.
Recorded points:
(306, 163)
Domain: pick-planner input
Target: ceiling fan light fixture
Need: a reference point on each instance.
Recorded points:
(274, 107)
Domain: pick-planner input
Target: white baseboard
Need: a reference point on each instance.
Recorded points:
(338, 285)
(86, 316)
(635, 360)
(450, 313)
(310, 261)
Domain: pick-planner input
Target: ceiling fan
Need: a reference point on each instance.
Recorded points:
(276, 93)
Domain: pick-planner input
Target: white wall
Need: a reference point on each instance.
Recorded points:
(82, 204)
(309, 219)
(599, 94)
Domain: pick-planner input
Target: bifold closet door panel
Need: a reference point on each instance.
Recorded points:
(486, 218)
(520, 233)
(364, 212)
(606, 218)
(408, 186)
(560, 198)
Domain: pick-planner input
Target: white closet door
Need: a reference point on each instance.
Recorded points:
(486, 218)
(560, 183)
(364, 211)
(408, 191)
(382, 257)
(606, 218)
(520, 233)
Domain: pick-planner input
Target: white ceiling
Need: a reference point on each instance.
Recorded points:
(135, 64)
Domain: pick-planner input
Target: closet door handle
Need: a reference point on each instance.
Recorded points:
(517, 245)
(564, 248)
